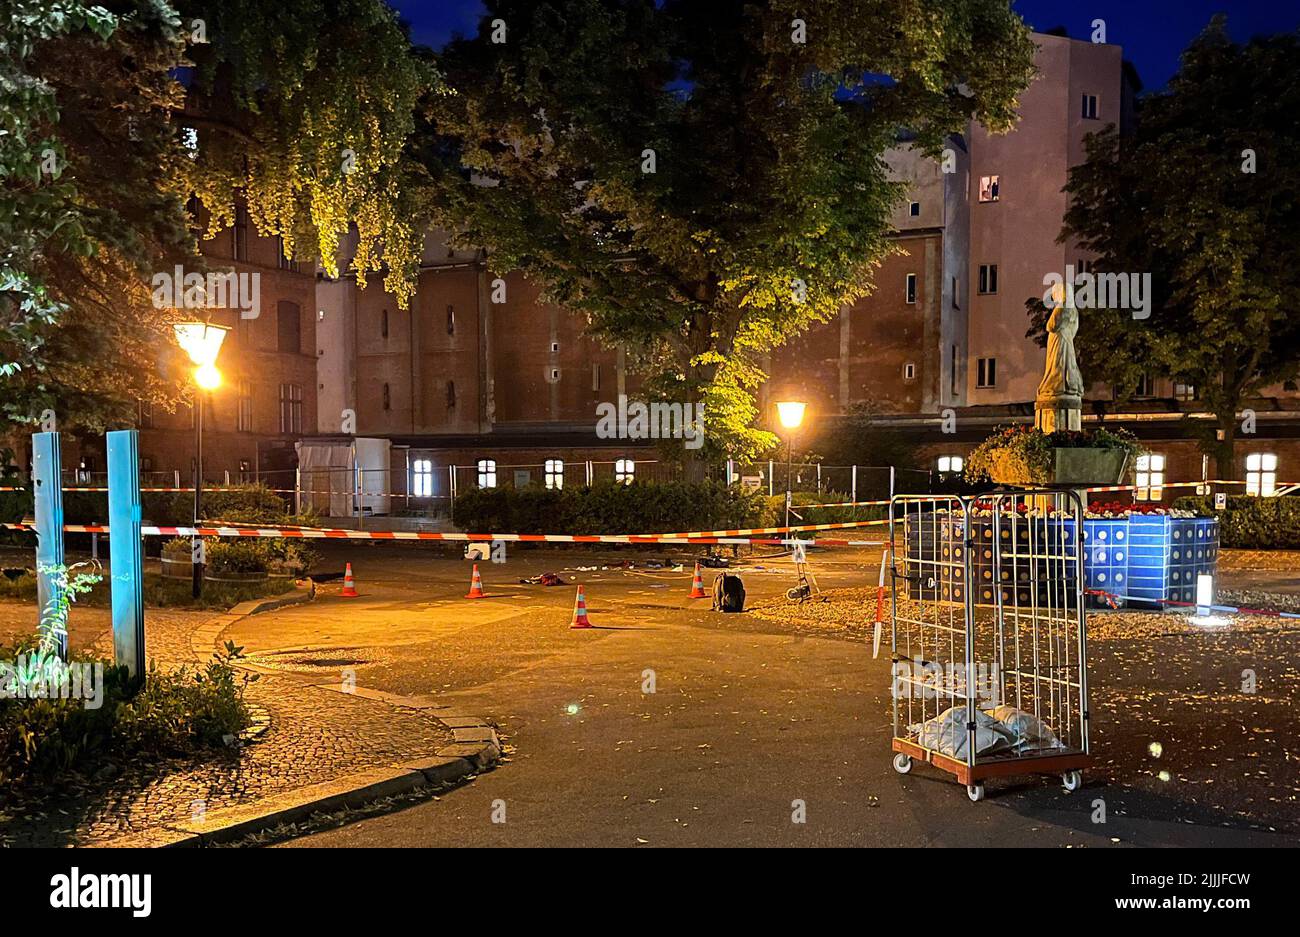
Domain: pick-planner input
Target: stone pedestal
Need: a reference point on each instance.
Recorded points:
(1064, 411)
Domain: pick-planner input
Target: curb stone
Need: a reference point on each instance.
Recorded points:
(476, 748)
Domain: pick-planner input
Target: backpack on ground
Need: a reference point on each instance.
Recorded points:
(728, 593)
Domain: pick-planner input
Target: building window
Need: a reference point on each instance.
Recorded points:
(988, 279)
(422, 478)
(555, 374)
(910, 289)
(1261, 474)
(282, 259)
(987, 372)
(625, 471)
(451, 395)
(956, 301)
(1150, 477)
(451, 320)
(290, 408)
(388, 398)
(1184, 391)
(1089, 107)
(239, 246)
(244, 417)
(909, 371)
(144, 415)
(383, 324)
(555, 348)
(1145, 387)
(487, 473)
(952, 368)
(950, 463)
(914, 209)
(554, 473)
(989, 188)
(595, 377)
(288, 326)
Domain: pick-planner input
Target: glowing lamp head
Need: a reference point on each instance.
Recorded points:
(790, 413)
(207, 376)
(201, 341)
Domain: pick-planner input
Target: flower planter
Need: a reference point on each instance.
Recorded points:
(1074, 467)
(260, 575)
(177, 568)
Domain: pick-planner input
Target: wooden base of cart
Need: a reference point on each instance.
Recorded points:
(1068, 764)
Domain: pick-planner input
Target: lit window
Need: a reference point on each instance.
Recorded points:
(1150, 477)
(1184, 391)
(422, 478)
(1089, 107)
(950, 463)
(625, 471)
(554, 473)
(989, 188)
(487, 473)
(911, 287)
(1261, 474)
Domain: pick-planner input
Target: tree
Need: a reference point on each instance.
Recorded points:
(1204, 196)
(84, 98)
(114, 115)
(704, 180)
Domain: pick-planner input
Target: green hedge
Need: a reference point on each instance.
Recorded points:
(1251, 523)
(611, 508)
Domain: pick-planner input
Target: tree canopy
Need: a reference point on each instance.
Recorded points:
(717, 185)
(1203, 195)
(113, 115)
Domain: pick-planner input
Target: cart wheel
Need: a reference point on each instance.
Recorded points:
(1072, 780)
(975, 792)
(902, 763)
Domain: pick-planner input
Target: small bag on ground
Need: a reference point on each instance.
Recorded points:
(728, 593)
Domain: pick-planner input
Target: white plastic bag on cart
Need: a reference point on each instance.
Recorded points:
(1028, 733)
(946, 733)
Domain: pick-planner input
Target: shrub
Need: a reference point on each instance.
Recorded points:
(611, 508)
(1251, 523)
(1026, 452)
(184, 711)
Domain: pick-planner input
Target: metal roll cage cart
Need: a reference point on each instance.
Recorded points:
(990, 643)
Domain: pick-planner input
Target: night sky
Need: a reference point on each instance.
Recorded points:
(1152, 32)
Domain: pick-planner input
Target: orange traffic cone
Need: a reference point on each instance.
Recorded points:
(476, 586)
(697, 586)
(580, 619)
(349, 586)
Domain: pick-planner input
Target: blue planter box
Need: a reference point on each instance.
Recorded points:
(1167, 554)
(1143, 558)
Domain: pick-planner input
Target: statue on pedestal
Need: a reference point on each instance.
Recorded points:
(1059, 404)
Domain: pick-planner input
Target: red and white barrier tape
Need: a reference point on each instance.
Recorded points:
(740, 537)
(1113, 599)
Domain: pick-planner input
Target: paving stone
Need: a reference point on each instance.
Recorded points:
(316, 738)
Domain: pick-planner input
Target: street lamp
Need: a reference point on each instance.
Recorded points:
(790, 413)
(202, 342)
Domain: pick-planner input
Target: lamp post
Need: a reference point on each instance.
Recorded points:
(202, 342)
(790, 413)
